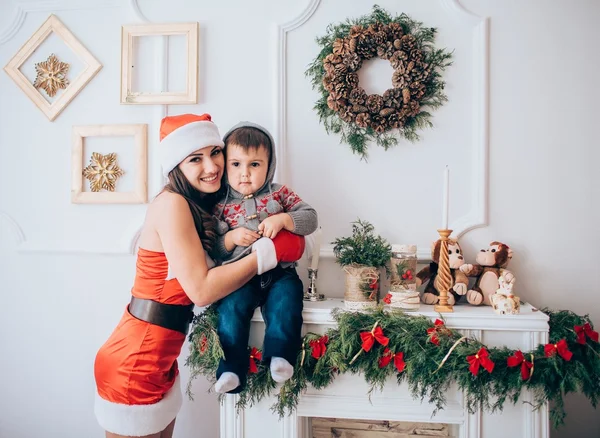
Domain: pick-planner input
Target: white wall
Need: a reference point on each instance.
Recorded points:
(63, 294)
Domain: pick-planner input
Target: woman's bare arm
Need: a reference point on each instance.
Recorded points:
(174, 224)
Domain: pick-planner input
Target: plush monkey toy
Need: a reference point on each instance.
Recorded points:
(490, 266)
(429, 274)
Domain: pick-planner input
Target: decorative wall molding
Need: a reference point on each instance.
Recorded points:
(478, 215)
(13, 226)
(472, 424)
(127, 246)
(231, 420)
(137, 11)
(23, 7)
(280, 137)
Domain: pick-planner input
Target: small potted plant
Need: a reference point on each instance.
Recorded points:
(361, 256)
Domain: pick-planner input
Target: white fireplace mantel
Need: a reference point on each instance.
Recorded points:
(347, 396)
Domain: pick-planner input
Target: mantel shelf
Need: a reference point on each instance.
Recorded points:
(464, 316)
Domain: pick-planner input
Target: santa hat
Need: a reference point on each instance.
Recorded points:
(183, 134)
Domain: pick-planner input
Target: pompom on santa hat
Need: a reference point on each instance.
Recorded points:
(183, 134)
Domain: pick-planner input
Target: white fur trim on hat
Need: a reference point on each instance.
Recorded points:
(184, 140)
(139, 420)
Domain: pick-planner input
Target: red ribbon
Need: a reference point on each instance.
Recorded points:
(319, 346)
(526, 366)
(560, 347)
(369, 338)
(203, 343)
(433, 331)
(387, 357)
(585, 330)
(255, 354)
(480, 359)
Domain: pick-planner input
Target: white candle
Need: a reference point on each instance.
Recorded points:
(316, 249)
(446, 196)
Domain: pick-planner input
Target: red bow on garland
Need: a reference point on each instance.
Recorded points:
(203, 344)
(387, 357)
(319, 346)
(480, 359)
(433, 331)
(526, 366)
(585, 330)
(255, 355)
(369, 338)
(560, 347)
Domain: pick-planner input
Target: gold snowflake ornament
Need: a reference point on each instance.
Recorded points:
(51, 75)
(103, 172)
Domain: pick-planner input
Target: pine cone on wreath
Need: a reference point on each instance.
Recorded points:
(366, 48)
(352, 61)
(416, 55)
(417, 90)
(405, 95)
(420, 73)
(340, 69)
(340, 46)
(374, 103)
(400, 79)
(394, 121)
(398, 59)
(332, 103)
(392, 98)
(328, 83)
(380, 38)
(358, 96)
(386, 50)
(356, 31)
(363, 120)
(346, 115)
(395, 30)
(408, 42)
(330, 62)
(352, 42)
(357, 109)
(379, 124)
(386, 112)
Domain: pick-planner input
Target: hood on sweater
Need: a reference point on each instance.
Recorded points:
(231, 192)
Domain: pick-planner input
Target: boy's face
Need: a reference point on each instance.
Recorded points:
(247, 168)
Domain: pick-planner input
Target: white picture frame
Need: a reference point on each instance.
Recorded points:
(139, 195)
(131, 31)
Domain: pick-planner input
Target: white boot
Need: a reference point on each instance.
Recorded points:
(227, 382)
(281, 369)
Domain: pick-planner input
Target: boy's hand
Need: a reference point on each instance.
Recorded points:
(274, 224)
(242, 236)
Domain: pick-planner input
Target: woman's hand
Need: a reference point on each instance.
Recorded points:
(242, 236)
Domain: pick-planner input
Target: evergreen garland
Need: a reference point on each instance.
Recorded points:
(355, 40)
(433, 357)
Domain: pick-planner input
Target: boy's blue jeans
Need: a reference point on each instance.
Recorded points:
(279, 293)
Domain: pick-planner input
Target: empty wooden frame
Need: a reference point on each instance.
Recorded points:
(140, 137)
(129, 32)
(91, 67)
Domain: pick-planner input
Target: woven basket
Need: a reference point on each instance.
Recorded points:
(362, 287)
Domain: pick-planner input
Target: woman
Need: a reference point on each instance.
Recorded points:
(136, 370)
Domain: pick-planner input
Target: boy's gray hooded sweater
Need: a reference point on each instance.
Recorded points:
(236, 210)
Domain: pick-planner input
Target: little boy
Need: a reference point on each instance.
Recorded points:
(253, 207)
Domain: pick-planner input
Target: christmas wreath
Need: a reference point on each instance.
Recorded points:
(345, 108)
(428, 356)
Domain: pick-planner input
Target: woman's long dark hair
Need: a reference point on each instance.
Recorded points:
(201, 206)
